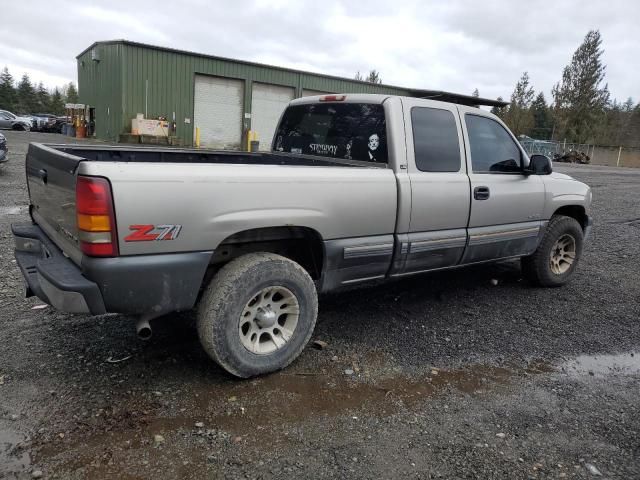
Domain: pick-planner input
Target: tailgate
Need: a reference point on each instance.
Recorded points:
(51, 177)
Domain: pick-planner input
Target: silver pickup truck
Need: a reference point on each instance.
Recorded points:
(356, 188)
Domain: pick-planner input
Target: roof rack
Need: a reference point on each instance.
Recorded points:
(469, 100)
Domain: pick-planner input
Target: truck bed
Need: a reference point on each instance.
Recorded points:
(125, 153)
(209, 195)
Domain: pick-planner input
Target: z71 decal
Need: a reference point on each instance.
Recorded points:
(150, 233)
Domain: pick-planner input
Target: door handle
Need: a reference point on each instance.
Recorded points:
(481, 193)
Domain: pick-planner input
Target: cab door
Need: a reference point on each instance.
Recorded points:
(440, 198)
(506, 204)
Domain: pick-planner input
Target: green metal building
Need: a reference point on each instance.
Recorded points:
(223, 97)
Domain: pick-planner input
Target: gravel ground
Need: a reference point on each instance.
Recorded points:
(453, 375)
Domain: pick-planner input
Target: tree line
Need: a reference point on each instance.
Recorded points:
(372, 77)
(581, 110)
(25, 97)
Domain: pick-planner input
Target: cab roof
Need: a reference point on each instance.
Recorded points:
(437, 95)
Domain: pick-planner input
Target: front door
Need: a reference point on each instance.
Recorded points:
(506, 205)
(437, 172)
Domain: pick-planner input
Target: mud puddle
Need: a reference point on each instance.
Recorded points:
(232, 414)
(290, 398)
(250, 413)
(621, 364)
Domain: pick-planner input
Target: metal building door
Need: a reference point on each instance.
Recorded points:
(218, 108)
(267, 104)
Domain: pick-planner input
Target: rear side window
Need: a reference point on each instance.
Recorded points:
(492, 148)
(353, 131)
(435, 140)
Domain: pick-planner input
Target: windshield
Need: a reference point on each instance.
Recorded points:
(353, 131)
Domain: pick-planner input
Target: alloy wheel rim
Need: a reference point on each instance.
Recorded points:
(268, 320)
(563, 254)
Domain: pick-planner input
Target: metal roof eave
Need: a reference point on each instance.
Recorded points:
(458, 98)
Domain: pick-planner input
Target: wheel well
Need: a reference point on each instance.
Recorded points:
(573, 211)
(301, 244)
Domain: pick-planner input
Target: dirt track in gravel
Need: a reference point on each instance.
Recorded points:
(454, 377)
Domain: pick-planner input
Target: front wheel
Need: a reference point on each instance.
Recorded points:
(557, 256)
(257, 314)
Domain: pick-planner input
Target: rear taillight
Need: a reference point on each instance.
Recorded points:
(95, 217)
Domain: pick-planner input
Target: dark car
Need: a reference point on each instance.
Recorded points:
(59, 122)
(3, 149)
(46, 122)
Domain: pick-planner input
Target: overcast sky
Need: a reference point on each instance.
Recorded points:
(454, 46)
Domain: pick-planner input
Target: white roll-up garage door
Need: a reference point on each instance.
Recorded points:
(217, 111)
(267, 104)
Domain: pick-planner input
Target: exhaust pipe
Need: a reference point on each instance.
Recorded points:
(143, 328)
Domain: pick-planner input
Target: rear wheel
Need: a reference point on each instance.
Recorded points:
(557, 256)
(257, 314)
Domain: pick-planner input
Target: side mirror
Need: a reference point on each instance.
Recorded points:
(539, 165)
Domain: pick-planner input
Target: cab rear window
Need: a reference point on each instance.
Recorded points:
(352, 131)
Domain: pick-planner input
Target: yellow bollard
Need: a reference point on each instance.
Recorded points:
(197, 137)
(250, 136)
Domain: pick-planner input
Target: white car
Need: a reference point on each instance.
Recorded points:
(11, 121)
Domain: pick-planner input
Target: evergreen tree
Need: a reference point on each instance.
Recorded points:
(610, 124)
(476, 93)
(499, 111)
(542, 124)
(43, 99)
(374, 77)
(518, 117)
(631, 136)
(71, 95)
(7, 91)
(27, 97)
(56, 105)
(580, 97)
(629, 129)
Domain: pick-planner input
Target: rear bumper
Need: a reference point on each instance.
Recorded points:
(140, 284)
(51, 276)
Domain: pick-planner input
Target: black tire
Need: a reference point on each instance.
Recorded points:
(227, 295)
(537, 267)
(19, 127)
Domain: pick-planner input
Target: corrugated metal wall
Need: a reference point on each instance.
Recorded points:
(127, 74)
(100, 85)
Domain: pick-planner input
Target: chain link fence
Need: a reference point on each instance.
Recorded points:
(613, 156)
